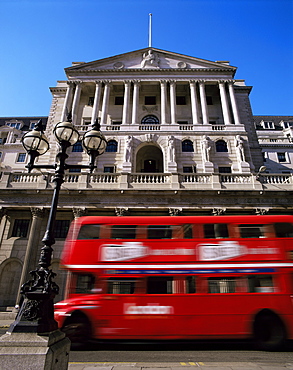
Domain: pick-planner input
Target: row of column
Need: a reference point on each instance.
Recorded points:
(71, 102)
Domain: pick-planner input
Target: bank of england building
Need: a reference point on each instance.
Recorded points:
(182, 140)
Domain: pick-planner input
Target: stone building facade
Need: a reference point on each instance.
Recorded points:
(182, 140)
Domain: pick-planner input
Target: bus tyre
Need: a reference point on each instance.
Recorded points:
(77, 329)
(269, 332)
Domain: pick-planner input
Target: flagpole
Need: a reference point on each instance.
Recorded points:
(150, 30)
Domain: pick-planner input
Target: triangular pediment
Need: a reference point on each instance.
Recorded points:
(149, 58)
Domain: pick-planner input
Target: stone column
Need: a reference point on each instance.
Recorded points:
(135, 101)
(173, 101)
(163, 101)
(32, 248)
(105, 103)
(67, 102)
(224, 101)
(96, 105)
(233, 102)
(194, 104)
(76, 100)
(203, 102)
(126, 102)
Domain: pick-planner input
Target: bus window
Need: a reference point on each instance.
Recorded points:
(89, 232)
(260, 284)
(160, 285)
(159, 232)
(187, 231)
(222, 285)
(190, 284)
(212, 231)
(85, 284)
(252, 231)
(121, 286)
(284, 230)
(123, 232)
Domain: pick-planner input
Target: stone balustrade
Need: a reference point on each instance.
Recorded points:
(150, 181)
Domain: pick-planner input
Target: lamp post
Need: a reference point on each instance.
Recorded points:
(40, 291)
(36, 314)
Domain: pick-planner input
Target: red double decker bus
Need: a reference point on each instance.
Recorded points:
(179, 278)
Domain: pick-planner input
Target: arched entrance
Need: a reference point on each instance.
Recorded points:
(10, 272)
(149, 159)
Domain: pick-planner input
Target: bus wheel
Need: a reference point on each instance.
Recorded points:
(77, 329)
(269, 332)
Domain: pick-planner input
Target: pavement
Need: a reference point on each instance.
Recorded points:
(169, 365)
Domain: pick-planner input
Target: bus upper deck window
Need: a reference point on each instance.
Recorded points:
(284, 230)
(159, 232)
(123, 232)
(252, 231)
(89, 232)
(212, 231)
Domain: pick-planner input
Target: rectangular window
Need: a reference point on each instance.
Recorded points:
(187, 169)
(84, 284)
(121, 286)
(269, 125)
(20, 228)
(77, 147)
(261, 284)
(74, 170)
(159, 232)
(119, 100)
(89, 232)
(225, 170)
(284, 230)
(281, 157)
(190, 285)
(123, 232)
(21, 157)
(222, 285)
(150, 100)
(160, 285)
(212, 231)
(61, 228)
(252, 231)
(180, 100)
(108, 169)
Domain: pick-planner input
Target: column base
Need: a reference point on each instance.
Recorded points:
(208, 167)
(242, 167)
(30, 351)
(126, 167)
(172, 167)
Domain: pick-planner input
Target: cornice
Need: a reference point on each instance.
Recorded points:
(58, 89)
(158, 70)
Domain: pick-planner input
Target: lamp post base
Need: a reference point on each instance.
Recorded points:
(32, 351)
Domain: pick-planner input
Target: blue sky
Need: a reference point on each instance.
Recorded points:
(42, 37)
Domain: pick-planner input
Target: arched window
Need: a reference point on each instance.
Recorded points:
(150, 120)
(112, 146)
(187, 146)
(221, 146)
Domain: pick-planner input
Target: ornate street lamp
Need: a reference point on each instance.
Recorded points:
(37, 311)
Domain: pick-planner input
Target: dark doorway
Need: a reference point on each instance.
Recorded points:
(150, 166)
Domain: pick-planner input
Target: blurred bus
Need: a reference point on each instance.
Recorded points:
(179, 278)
